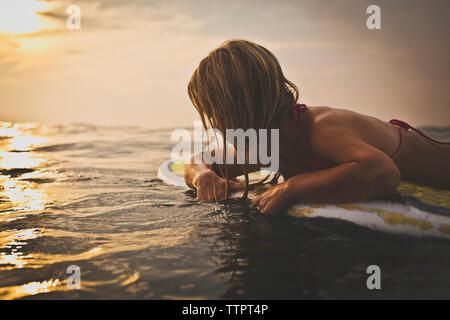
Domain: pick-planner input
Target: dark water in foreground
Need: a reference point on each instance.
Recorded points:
(89, 196)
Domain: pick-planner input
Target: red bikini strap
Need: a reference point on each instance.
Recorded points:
(298, 107)
(406, 126)
(399, 142)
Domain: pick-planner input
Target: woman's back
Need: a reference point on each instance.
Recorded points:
(418, 158)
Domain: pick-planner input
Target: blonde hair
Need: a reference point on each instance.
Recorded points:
(240, 85)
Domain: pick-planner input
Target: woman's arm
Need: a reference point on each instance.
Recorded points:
(362, 172)
(209, 181)
(197, 165)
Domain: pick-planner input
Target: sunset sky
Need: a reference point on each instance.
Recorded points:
(131, 61)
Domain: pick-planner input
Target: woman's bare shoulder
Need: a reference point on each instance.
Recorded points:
(371, 130)
(324, 115)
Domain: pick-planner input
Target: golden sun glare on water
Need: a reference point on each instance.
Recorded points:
(17, 194)
(22, 16)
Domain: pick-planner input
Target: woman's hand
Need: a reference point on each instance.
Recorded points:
(273, 200)
(207, 181)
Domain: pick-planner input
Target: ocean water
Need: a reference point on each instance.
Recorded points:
(89, 196)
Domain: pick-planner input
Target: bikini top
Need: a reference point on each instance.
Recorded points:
(404, 125)
(295, 149)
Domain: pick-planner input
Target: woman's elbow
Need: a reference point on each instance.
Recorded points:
(392, 178)
(382, 175)
(387, 178)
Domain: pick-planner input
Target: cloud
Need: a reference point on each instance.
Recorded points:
(123, 14)
(132, 59)
(8, 49)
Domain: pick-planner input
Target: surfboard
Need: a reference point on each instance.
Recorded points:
(415, 209)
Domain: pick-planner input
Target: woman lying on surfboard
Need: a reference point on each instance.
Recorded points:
(326, 154)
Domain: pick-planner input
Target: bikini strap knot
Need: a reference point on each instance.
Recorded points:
(400, 123)
(403, 124)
